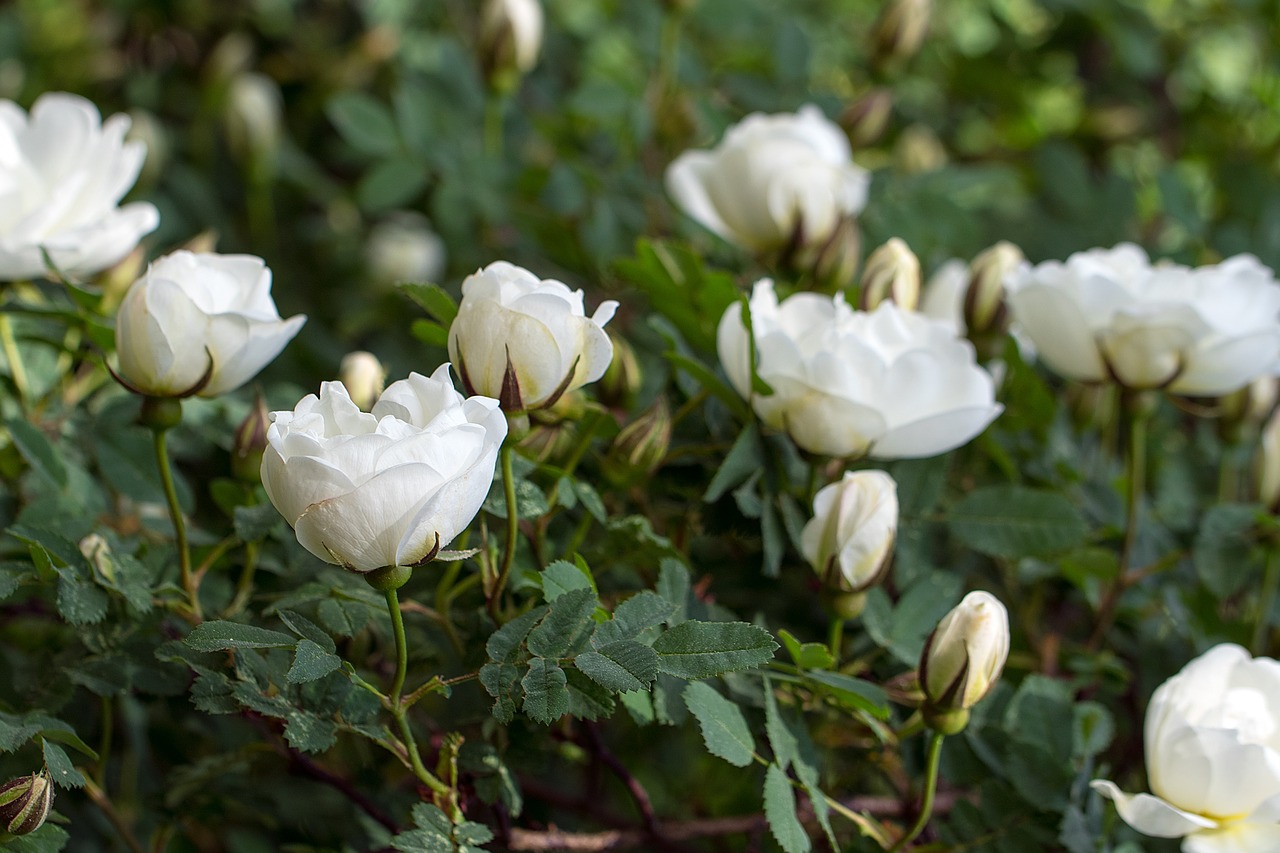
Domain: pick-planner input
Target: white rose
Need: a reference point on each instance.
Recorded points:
(890, 383)
(63, 172)
(965, 654)
(1109, 314)
(403, 247)
(1212, 742)
(389, 488)
(195, 314)
(511, 31)
(849, 540)
(774, 181)
(526, 341)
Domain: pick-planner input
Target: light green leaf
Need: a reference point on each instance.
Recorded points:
(724, 728)
(561, 577)
(433, 299)
(780, 810)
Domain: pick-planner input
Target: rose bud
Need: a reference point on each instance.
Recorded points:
(849, 541)
(25, 803)
(892, 273)
(962, 659)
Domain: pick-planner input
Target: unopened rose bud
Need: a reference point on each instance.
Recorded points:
(97, 551)
(254, 120)
(867, 118)
(403, 247)
(918, 150)
(849, 541)
(622, 379)
(835, 263)
(364, 376)
(510, 39)
(962, 659)
(892, 274)
(250, 442)
(25, 803)
(985, 312)
(1266, 464)
(638, 450)
(900, 30)
(1241, 412)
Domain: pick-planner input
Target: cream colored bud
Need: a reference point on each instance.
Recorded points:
(510, 40)
(901, 28)
(364, 377)
(97, 551)
(849, 541)
(963, 657)
(892, 274)
(403, 247)
(254, 118)
(867, 118)
(984, 307)
(1266, 464)
(25, 803)
(918, 150)
(836, 262)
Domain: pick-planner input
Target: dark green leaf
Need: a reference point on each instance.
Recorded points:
(561, 577)
(433, 299)
(567, 625)
(674, 585)
(745, 458)
(620, 666)
(780, 810)
(212, 636)
(506, 641)
(703, 649)
(40, 453)
(724, 728)
(1015, 521)
(311, 662)
(61, 770)
(254, 523)
(502, 682)
(546, 697)
(365, 123)
(304, 627)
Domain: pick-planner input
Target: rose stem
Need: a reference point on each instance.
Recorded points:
(395, 703)
(513, 530)
(179, 525)
(930, 787)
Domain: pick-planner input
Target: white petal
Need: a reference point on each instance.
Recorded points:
(1152, 815)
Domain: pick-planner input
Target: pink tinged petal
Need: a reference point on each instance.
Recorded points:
(687, 183)
(1243, 837)
(1225, 366)
(1152, 815)
(936, 434)
(362, 529)
(1059, 329)
(449, 511)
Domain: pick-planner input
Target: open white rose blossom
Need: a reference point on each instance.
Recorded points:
(1109, 314)
(372, 490)
(1212, 742)
(63, 172)
(774, 181)
(197, 317)
(888, 383)
(524, 340)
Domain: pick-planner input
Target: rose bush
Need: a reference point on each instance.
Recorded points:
(63, 172)
(889, 384)
(370, 490)
(199, 323)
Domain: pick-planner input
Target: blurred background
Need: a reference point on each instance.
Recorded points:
(334, 137)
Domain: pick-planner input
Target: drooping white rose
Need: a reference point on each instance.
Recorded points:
(388, 488)
(890, 383)
(526, 341)
(1109, 314)
(193, 314)
(63, 172)
(1212, 742)
(774, 181)
(965, 654)
(849, 540)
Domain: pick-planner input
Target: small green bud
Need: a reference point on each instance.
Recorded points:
(846, 605)
(893, 274)
(638, 450)
(159, 414)
(945, 722)
(1266, 464)
(25, 803)
(250, 443)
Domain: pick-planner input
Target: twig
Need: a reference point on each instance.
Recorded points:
(641, 797)
(309, 767)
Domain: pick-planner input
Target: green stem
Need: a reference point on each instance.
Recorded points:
(244, 586)
(835, 636)
(179, 525)
(13, 355)
(930, 788)
(1270, 583)
(395, 702)
(493, 109)
(513, 530)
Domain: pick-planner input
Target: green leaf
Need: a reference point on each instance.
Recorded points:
(40, 453)
(391, 183)
(780, 811)
(304, 627)
(674, 585)
(502, 682)
(587, 699)
(1225, 554)
(311, 662)
(807, 655)
(1015, 521)
(61, 770)
(703, 649)
(707, 378)
(546, 697)
(852, 692)
(640, 612)
(745, 458)
(433, 299)
(49, 838)
(254, 523)
(561, 577)
(364, 123)
(724, 728)
(1092, 730)
(15, 731)
(504, 643)
(217, 635)
(620, 666)
(435, 833)
(430, 333)
(79, 601)
(566, 626)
